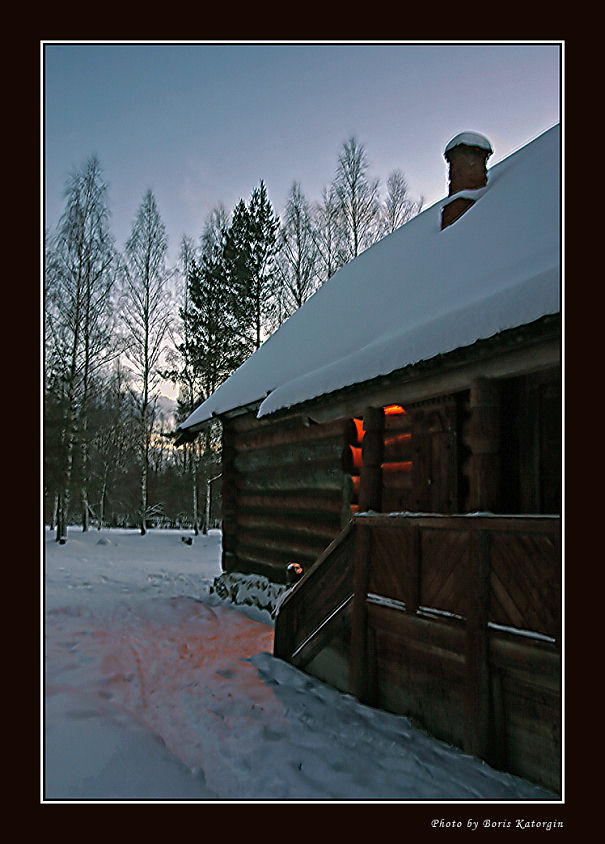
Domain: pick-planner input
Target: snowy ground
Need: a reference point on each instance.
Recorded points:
(156, 689)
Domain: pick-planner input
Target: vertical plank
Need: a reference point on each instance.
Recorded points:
(477, 664)
(485, 445)
(229, 500)
(498, 744)
(358, 659)
(414, 563)
(370, 486)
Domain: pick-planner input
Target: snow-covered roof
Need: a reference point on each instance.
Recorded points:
(418, 293)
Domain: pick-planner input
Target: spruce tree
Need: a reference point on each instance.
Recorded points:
(249, 266)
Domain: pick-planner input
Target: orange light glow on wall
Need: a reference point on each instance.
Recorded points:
(398, 438)
(357, 461)
(404, 466)
(359, 428)
(393, 410)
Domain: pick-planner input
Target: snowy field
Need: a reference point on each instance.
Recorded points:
(155, 689)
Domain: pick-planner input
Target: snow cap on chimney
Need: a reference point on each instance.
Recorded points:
(467, 156)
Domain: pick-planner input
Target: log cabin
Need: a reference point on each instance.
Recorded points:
(400, 438)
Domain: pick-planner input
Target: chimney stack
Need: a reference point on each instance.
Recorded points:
(467, 156)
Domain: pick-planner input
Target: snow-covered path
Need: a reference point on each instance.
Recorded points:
(156, 689)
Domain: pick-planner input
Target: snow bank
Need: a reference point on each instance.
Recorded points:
(156, 689)
(249, 590)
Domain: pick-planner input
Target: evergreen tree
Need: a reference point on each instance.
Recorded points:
(249, 267)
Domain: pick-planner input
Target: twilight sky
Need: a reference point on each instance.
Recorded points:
(203, 123)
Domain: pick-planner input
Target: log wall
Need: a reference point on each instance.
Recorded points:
(285, 493)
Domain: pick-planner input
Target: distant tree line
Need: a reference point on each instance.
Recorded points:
(117, 324)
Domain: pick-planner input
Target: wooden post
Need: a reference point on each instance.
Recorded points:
(477, 664)
(229, 501)
(370, 484)
(485, 445)
(358, 656)
(413, 571)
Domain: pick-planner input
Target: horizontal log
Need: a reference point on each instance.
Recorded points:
(290, 547)
(439, 634)
(399, 468)
(515, 651)
(249, 422)
(327, 502)
(265, 435)
(397, 424)
(274, 571)
(545, 525)
(278, 558)
(314, 526)
(327, 450)
(305, 478)
(397, 448)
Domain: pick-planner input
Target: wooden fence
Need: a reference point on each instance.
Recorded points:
(454, 621)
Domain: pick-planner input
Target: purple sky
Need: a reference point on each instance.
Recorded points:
(203, 123)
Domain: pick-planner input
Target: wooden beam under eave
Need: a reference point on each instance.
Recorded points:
(449, 378)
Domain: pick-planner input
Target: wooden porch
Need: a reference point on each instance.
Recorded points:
(454, 621)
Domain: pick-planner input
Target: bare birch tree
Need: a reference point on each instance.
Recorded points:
(398, 206)
(298, 255)
(146, 318)
(327, 235)
(79, 278)
(358, 199)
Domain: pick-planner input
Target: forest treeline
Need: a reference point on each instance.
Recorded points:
(118, 324)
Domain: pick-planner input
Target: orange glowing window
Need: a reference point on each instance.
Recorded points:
(393, 410)
(359, 428)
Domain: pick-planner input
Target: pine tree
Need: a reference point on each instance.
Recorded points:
(249, 265)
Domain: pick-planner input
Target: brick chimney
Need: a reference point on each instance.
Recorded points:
(467, 156)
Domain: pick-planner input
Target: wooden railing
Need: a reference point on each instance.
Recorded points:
(455, 620)
(322, 596)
